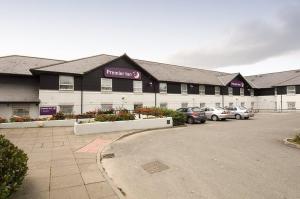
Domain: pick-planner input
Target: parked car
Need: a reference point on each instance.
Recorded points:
(215, 113)
(239, 112)
(193, 114)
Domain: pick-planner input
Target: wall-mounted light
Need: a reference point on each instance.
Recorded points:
(150, 83)
(191, 85)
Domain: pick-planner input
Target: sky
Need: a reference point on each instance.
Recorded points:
(250, 37)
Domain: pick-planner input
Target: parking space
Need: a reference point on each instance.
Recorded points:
(224, 159)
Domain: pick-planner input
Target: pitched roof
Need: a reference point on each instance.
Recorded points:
(225, 79)
(274, 79)
(78, 66)
(162, 72)
(20, 65)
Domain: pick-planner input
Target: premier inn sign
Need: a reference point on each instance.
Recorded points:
(237, 83)
(122, 73)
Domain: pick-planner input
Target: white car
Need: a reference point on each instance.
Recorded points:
(239, 112)
(215, 113)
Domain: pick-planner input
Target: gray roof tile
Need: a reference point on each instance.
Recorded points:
(20, 65)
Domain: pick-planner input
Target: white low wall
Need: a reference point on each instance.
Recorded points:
(104, 127)
(35, 124)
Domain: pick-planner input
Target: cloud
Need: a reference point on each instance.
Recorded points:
(249, 43)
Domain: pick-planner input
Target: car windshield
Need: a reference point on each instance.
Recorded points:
(196, 109)
(242, 108)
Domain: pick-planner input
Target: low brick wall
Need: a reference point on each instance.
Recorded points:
(105, 127)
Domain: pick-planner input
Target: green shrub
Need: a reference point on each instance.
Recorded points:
(178, 118)
(58, 116)
(20, 119)
(114, 117)
(297, 139)
(13, 167)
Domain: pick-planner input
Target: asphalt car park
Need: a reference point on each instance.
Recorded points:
(216, 160)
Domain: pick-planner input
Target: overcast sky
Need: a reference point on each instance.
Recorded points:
(250, 37)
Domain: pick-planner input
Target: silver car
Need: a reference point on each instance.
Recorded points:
(239, 112)
(215, 113)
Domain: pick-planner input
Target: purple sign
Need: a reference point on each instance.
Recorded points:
(122, 73)
(50, 110)
(236, 83)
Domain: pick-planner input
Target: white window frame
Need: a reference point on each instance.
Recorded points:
(230, 104)
(184, 104)
(291, 107)
(230, 91)
(184, 89)
(163, 105)
(138, 86)
(291, 90)
(61, 107)
(25, 110)
(217, 90)
(218, 104)
(62, 84)
(202, 105)
(137, 105)
(106, 106)
(201, 89)
(163, 87)
(242, 91)
(252, 92)
(106, 85)
(243, 104)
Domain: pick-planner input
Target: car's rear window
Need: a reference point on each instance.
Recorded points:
(196, 109)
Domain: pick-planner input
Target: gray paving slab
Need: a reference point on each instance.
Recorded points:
(56, 170)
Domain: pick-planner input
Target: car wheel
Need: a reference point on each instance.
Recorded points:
(203, 121)
(238, 117)
(246, 118)
(214, 118)
(190, 120)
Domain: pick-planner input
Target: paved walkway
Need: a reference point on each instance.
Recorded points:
(61, 165)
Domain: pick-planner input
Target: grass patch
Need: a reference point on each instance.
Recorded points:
(296, 139)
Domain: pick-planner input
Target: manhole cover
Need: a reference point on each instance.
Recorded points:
(154, 167)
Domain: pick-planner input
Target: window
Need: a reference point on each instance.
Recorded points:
(243, 104)
(291, 105)
(66, 83)
(252, 92)
(230, 90)
(202, 105)
(163, 87)
(218, 104)
(163, 105)
(137, 105)
(202, 90)
(106, 106)
(66, 109)
(252, 104)
(106, 85)
(291, 90)
(183, 88)
(137, 86)
(230, 104)
(184, 105)
(20, 110)
(242, 91)
(217, 90)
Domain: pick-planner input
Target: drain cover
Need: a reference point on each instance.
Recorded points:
(154, 167)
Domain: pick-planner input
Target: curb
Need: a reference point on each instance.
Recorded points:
(291, 144)
(117, 190)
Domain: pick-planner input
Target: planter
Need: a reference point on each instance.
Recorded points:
(36, 124)
(105, 127)
(287, 142)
